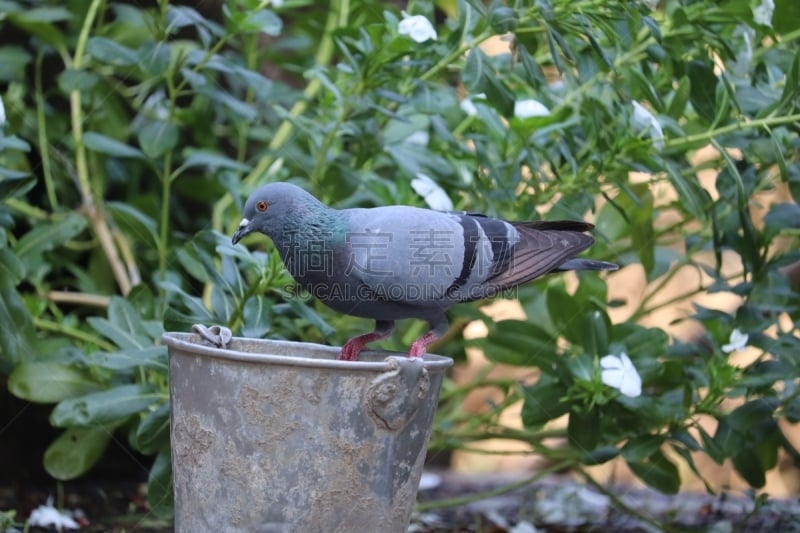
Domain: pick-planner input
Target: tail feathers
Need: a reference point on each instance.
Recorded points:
(586, 264)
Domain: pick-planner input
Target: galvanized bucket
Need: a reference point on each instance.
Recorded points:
(274, 436)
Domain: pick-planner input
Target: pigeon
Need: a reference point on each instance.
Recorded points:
(396, 262)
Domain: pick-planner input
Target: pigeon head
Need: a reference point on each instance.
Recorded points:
(271, 207)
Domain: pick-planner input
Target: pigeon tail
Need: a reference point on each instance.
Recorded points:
(586, 264)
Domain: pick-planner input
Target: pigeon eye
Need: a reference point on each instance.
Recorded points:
(261, 206)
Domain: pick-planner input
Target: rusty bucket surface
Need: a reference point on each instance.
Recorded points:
(276, 436)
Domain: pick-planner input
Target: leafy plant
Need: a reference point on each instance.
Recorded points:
(133, 133)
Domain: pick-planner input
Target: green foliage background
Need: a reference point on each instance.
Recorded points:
(134, 132)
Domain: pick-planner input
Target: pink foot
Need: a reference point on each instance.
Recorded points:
(352, 348)
(419, 346)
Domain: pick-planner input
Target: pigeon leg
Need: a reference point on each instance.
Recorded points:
(438, 329)
(353, 347)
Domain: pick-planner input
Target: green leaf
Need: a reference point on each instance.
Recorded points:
(97, 142)
(43, 14)
(692, 197)
(152, 434)
(753, 414)
(45, 236)
(686, 455)
(748, 465)
(600, 455)
(214, 161)
(641, 447)
(18, 342)
(476, 69)
(11, 187)
(261, 21)
(50, 382)
(134, 223)
(595, 333)
(183, 16)
(154, 58)
(703, 92)
(124, 316)
(543, 402)
(38, 21)
(175, 320)
(257, 317)
(113, 406)
(124, 338)
(77, 80)
(658, 472)
(640, 342)
(159, 486)
(782, 217)
(584, 431)
(73, 453)
(503, 19)
(516, 342)
(111, 52)
(12, 270)
(13, 61)
(158, 138)
(152, 357)
(12, 142)
(680, 97)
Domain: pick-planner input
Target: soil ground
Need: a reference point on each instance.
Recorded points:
(555, 504)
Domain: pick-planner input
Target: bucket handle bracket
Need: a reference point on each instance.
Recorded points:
(394, 396)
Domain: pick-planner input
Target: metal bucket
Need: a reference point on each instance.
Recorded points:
(275, 436)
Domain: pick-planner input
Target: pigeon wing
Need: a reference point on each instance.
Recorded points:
(543, 246)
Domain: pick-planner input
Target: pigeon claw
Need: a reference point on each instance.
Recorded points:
(351, 350)
(419, 346)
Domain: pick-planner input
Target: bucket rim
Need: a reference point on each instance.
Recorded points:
(184, 341)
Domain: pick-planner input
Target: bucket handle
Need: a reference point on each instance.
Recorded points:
(218, 336)
(394, 396)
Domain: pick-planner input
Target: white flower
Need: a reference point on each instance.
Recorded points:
(468, 106)
(762, 13)
(619, 373)
(434, 195)
(49, 516)
(652, 4)
(530, 108)
(643, 120)
(417, 27)
(745, 53)
(276, 3)
(736, 342)
(2, 113)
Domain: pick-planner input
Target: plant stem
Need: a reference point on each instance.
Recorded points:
(463, 500)
(683, 142)
(166, 190)
(75, 333)
(618, 503)
(91, 210)
(78, 298)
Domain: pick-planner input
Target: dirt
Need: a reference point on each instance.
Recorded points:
(556, 504)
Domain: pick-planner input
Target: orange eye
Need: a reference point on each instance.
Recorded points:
(261, 206)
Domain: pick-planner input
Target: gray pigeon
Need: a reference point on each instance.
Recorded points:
(395, 262)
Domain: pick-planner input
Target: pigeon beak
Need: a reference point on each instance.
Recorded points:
(244, 229)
